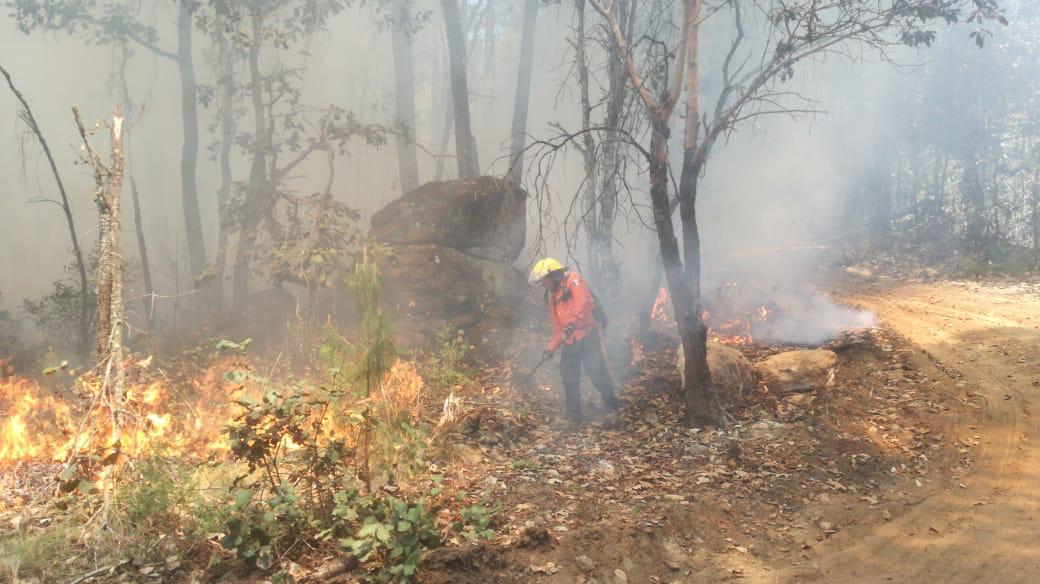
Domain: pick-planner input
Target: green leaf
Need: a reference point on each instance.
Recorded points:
(85, 486)
(68, 472)
(404, 525)
(242, 498)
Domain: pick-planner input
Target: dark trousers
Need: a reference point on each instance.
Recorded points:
(587, 352)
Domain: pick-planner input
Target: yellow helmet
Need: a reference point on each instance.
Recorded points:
(543, 268)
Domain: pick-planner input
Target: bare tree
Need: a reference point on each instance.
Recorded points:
(110, 318)
(84, 296)
(753, 77)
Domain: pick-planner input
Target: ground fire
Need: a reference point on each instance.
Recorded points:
(373, 292)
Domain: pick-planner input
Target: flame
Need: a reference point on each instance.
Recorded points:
(185, 417)
(33, 425)
(734, 330)
(662, 305)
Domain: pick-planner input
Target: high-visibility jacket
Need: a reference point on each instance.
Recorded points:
(572, 307)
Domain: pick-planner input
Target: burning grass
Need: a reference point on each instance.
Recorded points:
(269, 465)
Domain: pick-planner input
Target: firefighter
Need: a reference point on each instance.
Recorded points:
(577, 330)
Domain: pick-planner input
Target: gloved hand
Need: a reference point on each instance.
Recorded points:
(548, 354)
(568, 332)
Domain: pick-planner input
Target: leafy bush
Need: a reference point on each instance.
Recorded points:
(475, 521)
(389, 533)
(445, 366)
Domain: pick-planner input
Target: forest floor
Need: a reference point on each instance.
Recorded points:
(918, 464)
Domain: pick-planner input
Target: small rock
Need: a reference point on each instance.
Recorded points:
(825, 526)
(620, 576)
(585, 564)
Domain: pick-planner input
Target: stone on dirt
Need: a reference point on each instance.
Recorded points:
(731, 372)
(585, 564)
(798, 371)
(451, 246)
(483, 217)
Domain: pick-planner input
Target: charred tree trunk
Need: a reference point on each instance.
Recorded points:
(110, 317)
(685, 298)
(404, 95)
(226, 57)
(109, 313)
(81, 268)
(700, 403)
(523, 90)
(465, 145)
(190, 148)
(258, 189)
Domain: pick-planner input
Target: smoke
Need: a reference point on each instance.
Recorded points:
(774, 199)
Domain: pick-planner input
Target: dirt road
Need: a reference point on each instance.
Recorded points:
(986, 526)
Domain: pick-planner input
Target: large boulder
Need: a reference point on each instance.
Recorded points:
(439, 283)
(483, 217)
(731, 372)
(451, 247)
(798, 371)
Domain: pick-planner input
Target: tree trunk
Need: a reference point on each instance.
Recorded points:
(523, 90)
(610, 167)
(685, 299)
(688, 311)
(880, 194)
(148, 303)
(589, 215)
(258, 189)
(404, 95)
(971, 186)
(113, 257)
(226, 56)
(489, 42)
(465, 145)
(81, 268)
(190, 148)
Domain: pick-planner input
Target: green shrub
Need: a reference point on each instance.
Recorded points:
(446, 365)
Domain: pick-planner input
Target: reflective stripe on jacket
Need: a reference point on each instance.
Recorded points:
(571, 306)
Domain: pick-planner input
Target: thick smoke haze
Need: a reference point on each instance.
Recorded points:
(773, 199)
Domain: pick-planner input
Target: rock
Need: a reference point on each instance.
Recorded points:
(451, 245)
(798, 371)
(585, 564)
(620, 576)
(484, 217)
(730, 370)
(432, 286)
(536, 537)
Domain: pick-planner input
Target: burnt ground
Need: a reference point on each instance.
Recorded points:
(652, 501)
(916, 465)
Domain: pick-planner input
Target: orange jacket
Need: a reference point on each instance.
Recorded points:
(571, 306)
